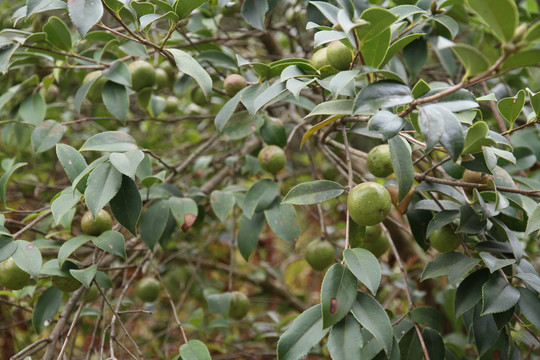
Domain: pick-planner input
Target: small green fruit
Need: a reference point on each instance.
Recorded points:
(444, 239)
(94, 93)
(375, 241)
(97, 226)
(369, 203)
(198, 97)
(319, 59)
(147, 289)
(12, 276)
(273, 132)
(231, 8)
(379, 161)
(233, 84)
(143, 75)
(272, 159)
(239, 305)
(162, 79)
(339, 55)
(171, 104)
(319, 254)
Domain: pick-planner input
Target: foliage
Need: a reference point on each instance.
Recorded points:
(450, 85)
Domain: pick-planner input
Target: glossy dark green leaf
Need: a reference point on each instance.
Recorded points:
(194, 350)
(112, 242)
(32, 109)
(227, 111)
(472, 59)
(438, 124)
(379, 20)
(333, 107)
(484, 330)
(153, 222)
(64, 203)
(222, 203)
(446, 25)
(374, 50)
(447, 264)
(70, 246)
(282, 220)
(305, 332)
(434, 344)
(46, 135)
(127, 162)
(380, 95)
(502, 19)
(338, 293)
(529, 305)
(184, 211)
(494, 263)
(400, 152)
(126, 205)
(253, 12)
(187, 64)
(115, 98)
(498, 295)
(510, 108)
(103, 184)
(386, 123)
(457, 101)
(428, 316)
(110, 141)
(441, 219)
(523, 58)
(248, 234)
(28, 257)
(345, 339)
(119, 73)
(260, 196)
(85, 276)
(313, 192)
(415, 56)
(476, 138)
(365, 266)
(58, 33)
(85, 14)
(46, 307)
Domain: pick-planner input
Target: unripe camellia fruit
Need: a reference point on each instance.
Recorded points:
(94, 93)
(230, 8)
(66, 283)
(369, 203)
(12, 276)
(143, 75)
(379, 161)
(147, 289)
(239, 305)
(375, 241)
(319, 59)
(162, 79)
(444, 239)
(198, 97)
(273, 132)
(319, 254)
(339, 55)
(272, 159)
(233, 84)
(97, 226)
(171, 104)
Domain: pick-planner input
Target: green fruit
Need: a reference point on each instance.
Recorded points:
(239, 305)
(51, 94)
(375, 241)
(273, 132)
(147, 289)
(369, 203)
(379, 161)
(12, 276)
(162, 79)
(92, 294)
(272, 159)
(97, 226)
(198, 97)
(319, 59)
(319, 254)
(231, 8)
(233, 84)
(171, 104)
(66, 284)
(94, 93)
(168, 67)
(444, 239)
(143, 75)
(339, 55)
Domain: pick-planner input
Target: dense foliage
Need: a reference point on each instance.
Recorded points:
(205, 179)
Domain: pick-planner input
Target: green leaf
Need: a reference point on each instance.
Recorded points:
(338, 292)
(187, 64)
(58, 33)
(102, 185)
(498, 295)
(154, 222)
(6, 53)
(501, 17)
(4, 179)
(374, 50)
(148, 19)
(510, 108)
(28, 257)
(227, 111)
(222, 203)
(398, 45)
(446, 264)
(494, 263)
(85, 14)
(85, 276)
(532, 280)
(46, 307)
(345, 339)
(365, 266)
(472, 59)
(70, 246)
(438, 124)
(400, 152)
(268, 96)
(523, 58)
(260, 196)
(380, 95)
(386, 123)
(534, 221)
(112, 242)
(434, 344)
(469, 291)
(484, 330)
(428, 316)
(126, 205)
(313, 192)
(282, 220)
(64, 203)
(110, 141)
(248, 234)
(529, 305)
(253, 12)
(194, 350)
(304, 333)
(81, 93)
(128, 162)
(379, 20)
(219, 303)
(119, 73)
(184, 211)
(372, 316)
(448, 26)
(476, 138)
(333, 107)
(33, 108)
(116, 100)
(184, 7)
(46, 135)
(415, 56)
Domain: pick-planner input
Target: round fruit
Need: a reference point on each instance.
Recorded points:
(233, 84)
(379, 161)
(171, 104)
(198, 97)
(97, 226)
(66, 284)
(339, 55)
(168, 67)
(94, 93)
(230, 8)
(147, 289)
(51, 94)
(319, 254)
(162, 79)
(12, 276)
(319, 59)
(375, 241)
(143, 75)
(273, 132)
(239, 305)
(444, 239)
(369, 203)
(272, 159)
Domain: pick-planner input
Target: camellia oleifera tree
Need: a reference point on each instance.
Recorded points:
(349, 179)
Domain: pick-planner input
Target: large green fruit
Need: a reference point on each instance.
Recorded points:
(369, 203)
(339, 55)
(143, 75)
(273, 132)
(239, 305)
(319, 59)
(379, 161)
(97, 226)
(272, 159)
(12, 276)
(444, 239)
(162, 79)
(147, 289)
(198, 97)
(233, 84)
(375, 241)
(319, 254)
(94, 93)
(171, 104)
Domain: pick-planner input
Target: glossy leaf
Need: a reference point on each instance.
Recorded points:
(498, 295)
(428, 316)
(46, 307)
(4, 180)
(194, 350)
(227, 111)
(71, 246)
(46, 135)
(510, 108)
(476, 138)
(523, 58)
(103, 184)
(28, 257)
(116, 100)
(85, 276)
(154, 222)
(439, 124)
(127, 162)
(260, 196)
(333, 107)
(58, 33)
(187, 64)
(248, 234)
(379, 20)
(222, 203)
(313, 192)
(112, 242)
(184, 211)
(529, 305)
(400, 152)
(494, 263)
(282, 220)
(398, 45)
(386, 123)
(448, 264)
(253, 12)
(469, 291)
(374, 50)
(85, 14)
(365, 266)
(472, 59)
(345, 339)
(502, 19)
(110, 141)
(380, 95)
(119, 73)
(32, 109)
(126, 205)
(338, 293)
(64, 203)
(434, 344)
